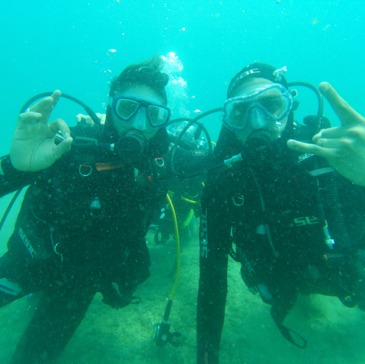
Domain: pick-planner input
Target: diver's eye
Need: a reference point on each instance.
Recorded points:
(126, 108)
(236, 114)
(273, 105)
(239, 109)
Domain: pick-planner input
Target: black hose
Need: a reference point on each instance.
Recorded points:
(7, 211)
(178, 141)
(88, 110)
(317, 93)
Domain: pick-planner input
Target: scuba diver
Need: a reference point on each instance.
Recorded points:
(293, 223)
(82, 225)
(183, 168)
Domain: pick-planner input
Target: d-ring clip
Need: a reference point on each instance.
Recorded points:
(85, 170)
(238, 200)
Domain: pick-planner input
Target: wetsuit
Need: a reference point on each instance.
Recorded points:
(273, 210)
(81, 230)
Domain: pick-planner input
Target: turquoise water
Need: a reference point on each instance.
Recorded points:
(65, 44)
(77, 46)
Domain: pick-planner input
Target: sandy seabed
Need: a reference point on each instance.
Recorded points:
(335, 333)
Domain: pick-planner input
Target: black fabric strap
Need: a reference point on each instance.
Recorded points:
(12, 179)
(290, 335)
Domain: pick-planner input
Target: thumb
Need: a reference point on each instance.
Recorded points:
(62, 148)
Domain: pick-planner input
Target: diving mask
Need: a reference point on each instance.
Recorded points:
(259, 109)
(126, 107)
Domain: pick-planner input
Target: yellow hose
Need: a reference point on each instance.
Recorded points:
(177, 236)
(189, 200)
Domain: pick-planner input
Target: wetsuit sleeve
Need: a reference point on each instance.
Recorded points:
(214, 247)
(11, 179)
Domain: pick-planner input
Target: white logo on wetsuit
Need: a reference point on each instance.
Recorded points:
(306, 220)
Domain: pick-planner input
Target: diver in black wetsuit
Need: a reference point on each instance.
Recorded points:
(293, 223)
(81, 228)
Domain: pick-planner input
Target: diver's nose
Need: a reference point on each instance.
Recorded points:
(256, 118)
(140, 120)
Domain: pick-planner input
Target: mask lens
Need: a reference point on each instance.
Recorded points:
(126, 108)
(235, 114)
(157, 115)
(275, 101)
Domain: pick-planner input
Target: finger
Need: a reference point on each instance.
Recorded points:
(27, 118)
(48, 110)
(42, 105)
(346, 134)
(82, 118)
(306, 147)
(79, 117)
(59, 125)
(62, 148)
(337, 143)
(56, 96)
(29, 115)
(46, 105)
(335, 132)
(344, 111)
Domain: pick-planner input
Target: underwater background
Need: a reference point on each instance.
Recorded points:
(78, 46)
